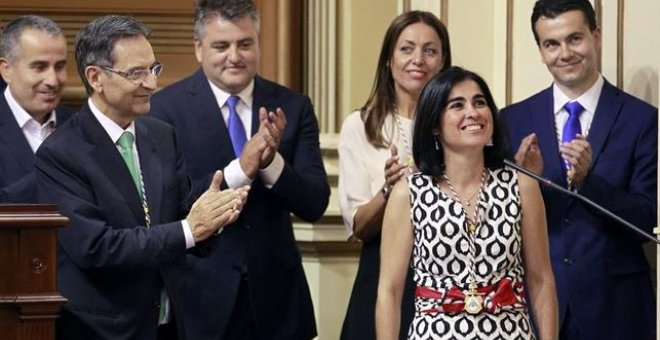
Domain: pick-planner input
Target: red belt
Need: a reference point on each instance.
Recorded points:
(502, 295)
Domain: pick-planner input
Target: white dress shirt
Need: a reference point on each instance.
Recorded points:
(361, 174)
(233, 173)
(588, 100)
(115, 131)
(34, 132)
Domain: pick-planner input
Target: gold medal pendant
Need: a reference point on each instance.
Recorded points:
(473, 302)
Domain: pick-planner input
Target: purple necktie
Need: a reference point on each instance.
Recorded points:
(572, 126)
(236, 128)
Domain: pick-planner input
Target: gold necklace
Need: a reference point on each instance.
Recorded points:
(473, 302)
(410, 161)
(455, 194)
(473, 221)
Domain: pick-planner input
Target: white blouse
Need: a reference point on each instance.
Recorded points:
(362, 166)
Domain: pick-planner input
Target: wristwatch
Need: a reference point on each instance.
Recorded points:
(385, 190)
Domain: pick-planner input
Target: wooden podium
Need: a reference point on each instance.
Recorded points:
(29, 301)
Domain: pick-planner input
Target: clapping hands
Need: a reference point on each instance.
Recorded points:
(215, 208)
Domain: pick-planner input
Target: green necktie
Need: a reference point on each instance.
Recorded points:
(125, 143)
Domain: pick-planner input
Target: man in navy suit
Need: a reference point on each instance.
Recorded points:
(122, 182)
(33, 63)
(251, 285)
(605, 148)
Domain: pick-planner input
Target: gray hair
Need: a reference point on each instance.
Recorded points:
(15, 28)
(230, 10)
(95, 43)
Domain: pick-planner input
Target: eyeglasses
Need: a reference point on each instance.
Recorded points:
(139, 75)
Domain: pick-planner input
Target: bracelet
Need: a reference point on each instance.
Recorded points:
(385, 190)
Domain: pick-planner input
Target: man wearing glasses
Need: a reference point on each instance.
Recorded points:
(121, 180)
(33, 62)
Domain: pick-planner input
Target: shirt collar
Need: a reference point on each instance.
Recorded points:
(22, 116)
(114, 131)
(588, 100)
(222, 96)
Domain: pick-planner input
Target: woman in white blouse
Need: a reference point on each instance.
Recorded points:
(375, 152)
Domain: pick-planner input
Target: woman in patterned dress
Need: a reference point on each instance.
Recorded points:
(472, 229)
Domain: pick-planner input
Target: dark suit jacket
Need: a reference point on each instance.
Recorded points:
(16, 157)
(261, 243)
(109, 264)
(600, 269)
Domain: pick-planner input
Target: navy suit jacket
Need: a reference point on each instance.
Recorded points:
(261, 243)
(17, 158)
(600, 269)
(111, 267)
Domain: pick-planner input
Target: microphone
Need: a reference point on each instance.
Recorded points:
(589, 202)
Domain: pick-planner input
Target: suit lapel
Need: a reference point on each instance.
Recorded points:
(62, 114)
(265, 95)
(105, 154)
(14, 138)
(261, 98)
(151, 168)
(609, 106)
(544, 125)
(210, 123)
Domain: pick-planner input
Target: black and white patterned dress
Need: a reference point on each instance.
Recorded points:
(441, 257)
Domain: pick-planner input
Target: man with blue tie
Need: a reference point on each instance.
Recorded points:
(33, 63)
(264, 135)
(586, 134)
(121, 180)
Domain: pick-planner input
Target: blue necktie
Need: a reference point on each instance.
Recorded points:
(572, 126)
(236, 128)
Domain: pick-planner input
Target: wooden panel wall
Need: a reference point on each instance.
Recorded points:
(171, 22)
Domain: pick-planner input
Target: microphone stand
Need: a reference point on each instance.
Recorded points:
(589, 202)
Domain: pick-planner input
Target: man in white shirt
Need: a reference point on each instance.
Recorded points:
(33, 63)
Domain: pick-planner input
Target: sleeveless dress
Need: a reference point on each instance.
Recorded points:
(442, 258)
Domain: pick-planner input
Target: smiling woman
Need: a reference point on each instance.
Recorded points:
(377, 141)
(468, 120)
(463, 218)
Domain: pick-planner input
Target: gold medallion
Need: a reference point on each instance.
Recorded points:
(473, 302)
(472, 228)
